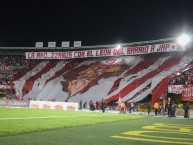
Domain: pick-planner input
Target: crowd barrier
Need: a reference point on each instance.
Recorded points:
(191, 114)
(13, 103)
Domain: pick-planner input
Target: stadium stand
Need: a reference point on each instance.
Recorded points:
(131, 78)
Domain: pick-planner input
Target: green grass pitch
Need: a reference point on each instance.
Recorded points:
(23, 126)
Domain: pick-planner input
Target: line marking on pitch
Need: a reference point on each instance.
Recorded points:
(42, 117)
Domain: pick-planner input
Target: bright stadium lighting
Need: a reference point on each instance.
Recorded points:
(183, 39)
(118, 46)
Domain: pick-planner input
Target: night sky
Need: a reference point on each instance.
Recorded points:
(22, 23)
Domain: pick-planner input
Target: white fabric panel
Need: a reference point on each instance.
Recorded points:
(19, 86)
(53, 90)
(96, 92)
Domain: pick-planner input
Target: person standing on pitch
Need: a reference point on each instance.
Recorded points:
(156, 107)
(103, 105)
(148, 107)
(173, 109)
(163, 109)
(186, 108)
(169, 107)
(80, 105)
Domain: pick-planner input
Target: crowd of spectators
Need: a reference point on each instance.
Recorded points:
(10, 66)
(185, 78)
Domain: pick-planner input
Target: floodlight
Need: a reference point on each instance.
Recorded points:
(118, 46)
(183, 39)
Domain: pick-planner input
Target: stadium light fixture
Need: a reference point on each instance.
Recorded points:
(183, 39)
(118, 46)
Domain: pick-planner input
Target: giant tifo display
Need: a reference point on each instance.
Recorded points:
(146, 72)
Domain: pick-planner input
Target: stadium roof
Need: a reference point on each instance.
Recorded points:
(100, 46)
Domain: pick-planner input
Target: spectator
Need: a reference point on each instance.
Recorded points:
(91, 105)
(97, 105)
(135, 106)
(132, 106)
(163, 109)
(103, 105)
(80, 105)
(148, 107)
(173, 109)
(18, 97)
(169, 107)
(122, 107)
(156, 107)
(84, 105)
(186, 109)
(129, 106)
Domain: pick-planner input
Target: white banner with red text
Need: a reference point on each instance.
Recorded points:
(176, 89)
(54, 105)
(185, 90)
(164, 47)
(187, 93)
